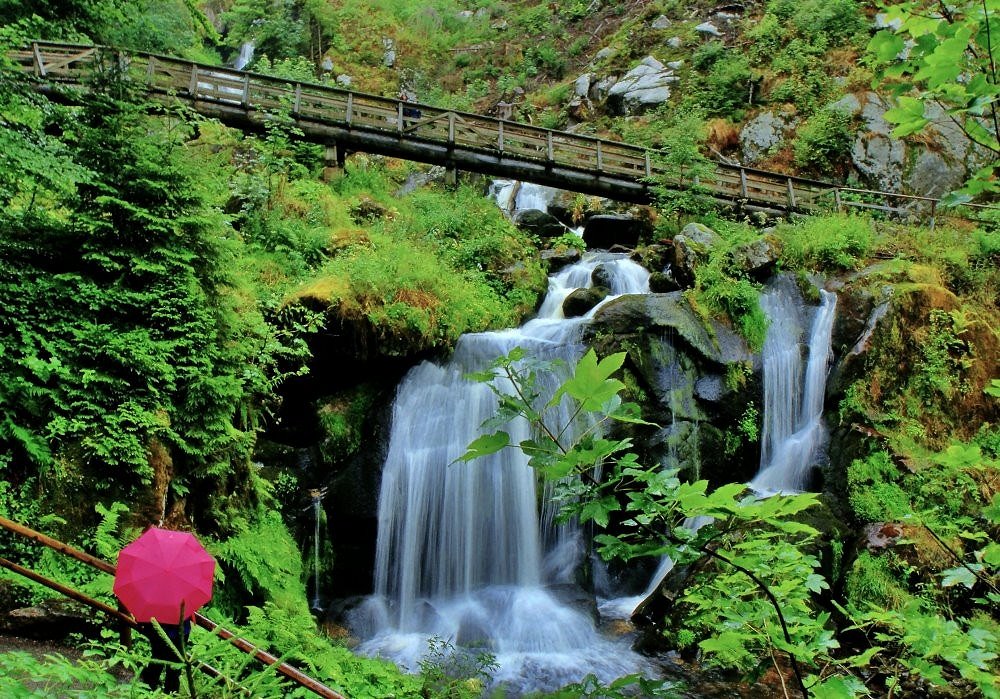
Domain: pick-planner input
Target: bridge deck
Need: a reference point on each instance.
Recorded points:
(357, 121)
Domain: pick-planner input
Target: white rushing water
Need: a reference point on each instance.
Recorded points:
(463, 552)
(793, 434)
(245, 56)
(511, 195)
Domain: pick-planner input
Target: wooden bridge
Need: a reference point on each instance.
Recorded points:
(345, 120)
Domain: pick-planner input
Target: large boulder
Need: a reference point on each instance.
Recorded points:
(875, 154)
(605, 230)
(762, 133)
(645, 86)
(756, 259)
(539, 223)
(691, 248)
(710, 340)
(556, 259)
(582, 301)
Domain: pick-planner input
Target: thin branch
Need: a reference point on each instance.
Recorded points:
(941, 542)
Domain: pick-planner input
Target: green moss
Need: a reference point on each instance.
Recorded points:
(874, 491)
(871, 581)
(342, 418)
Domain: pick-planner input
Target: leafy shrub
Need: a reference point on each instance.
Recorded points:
(873, 489)
(824, 140)
(839, 241)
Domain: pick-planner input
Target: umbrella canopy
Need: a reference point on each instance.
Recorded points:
(161, 571)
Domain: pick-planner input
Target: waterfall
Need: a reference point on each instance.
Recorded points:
(463, 552)
(316, 496)
(793, 433)
(511, 195)
(245, 55)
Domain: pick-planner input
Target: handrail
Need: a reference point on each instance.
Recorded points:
(491, 145)
(242, 644)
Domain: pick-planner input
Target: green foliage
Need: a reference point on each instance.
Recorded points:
(944, 357)
(824, 141)
(874, 489)
(949, 62)
(834, 242)
(813, 19)
(342, 418)
(872, 580)
(755, 600)
(26, 676)
(455, 673)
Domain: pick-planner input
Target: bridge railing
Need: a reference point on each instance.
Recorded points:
(497, 139)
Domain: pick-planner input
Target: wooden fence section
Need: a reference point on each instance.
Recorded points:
(424, 133)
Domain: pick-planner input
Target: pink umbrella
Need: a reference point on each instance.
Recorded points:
(161, 571)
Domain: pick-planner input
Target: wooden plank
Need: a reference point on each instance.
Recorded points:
(40, 68)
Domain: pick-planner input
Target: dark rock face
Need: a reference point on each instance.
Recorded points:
(677, 361)
(53, 619)
(555, 260)
(756, 258)
(539, 223)
(581, 301)
(691, 248)
(663, 282)
(605, 230)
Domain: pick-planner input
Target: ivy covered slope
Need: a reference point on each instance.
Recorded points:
(159, 276)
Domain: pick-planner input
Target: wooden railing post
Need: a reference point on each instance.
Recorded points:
(648, 163)
(743, 184)
(600, 158)
(150, 70)
(193, 86)
(399, 117)
(350, 108)
(500, 136)
(451, 129)
(245, 101)
(837, 201)
(39, 63)
(791, 194)
(297, 107)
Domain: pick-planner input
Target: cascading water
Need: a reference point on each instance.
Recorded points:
(512, 196)
(793, 434)
(245, 56)
(316, 496)
(462, 553)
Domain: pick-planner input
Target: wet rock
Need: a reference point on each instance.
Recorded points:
(539, 223)
(557, 259)
(691, 247)
(581, 86)
(344, 80)
(605, 230)
(756, 258)
(711, 388)
(52, 619)
(600, 89)
(663, 282)
(661, 22)
(709, 339)
(582, 301)
(675, 42)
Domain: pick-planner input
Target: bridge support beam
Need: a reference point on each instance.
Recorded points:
(451, 175)
(333, 161)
